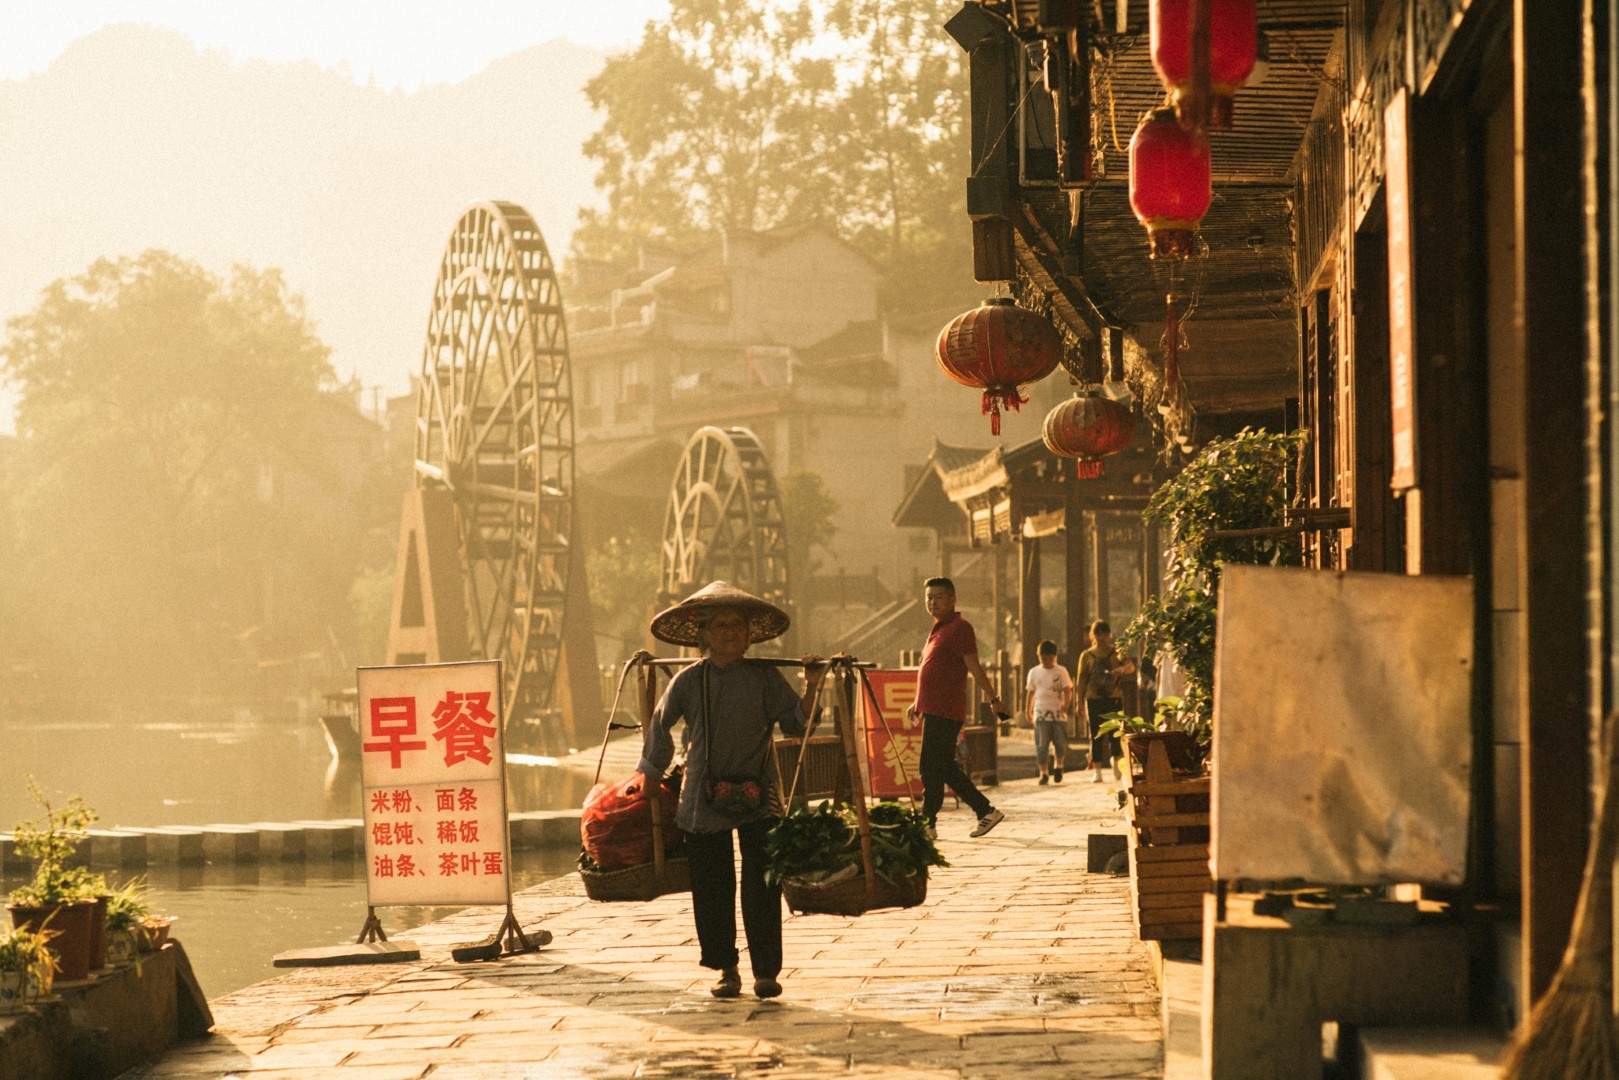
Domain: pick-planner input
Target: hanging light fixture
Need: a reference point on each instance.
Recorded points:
(1233, 29)
(1089, 428)
(998, 347)
(1171, 183)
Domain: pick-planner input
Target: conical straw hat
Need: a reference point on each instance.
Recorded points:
(679, 625)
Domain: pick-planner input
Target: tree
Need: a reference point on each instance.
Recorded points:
(900, 155)
(623, 574)
(692, 140)
(164, 416)
(753, 114)
(807, 508)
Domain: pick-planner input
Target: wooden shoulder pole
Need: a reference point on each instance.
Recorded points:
(648, 683)
(851, 752)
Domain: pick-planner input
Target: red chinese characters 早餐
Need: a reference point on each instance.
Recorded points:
(393, 721)
(464, 724)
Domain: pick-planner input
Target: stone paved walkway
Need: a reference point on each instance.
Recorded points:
(1019, 964)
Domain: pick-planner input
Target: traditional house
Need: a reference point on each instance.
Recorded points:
(1407, 256)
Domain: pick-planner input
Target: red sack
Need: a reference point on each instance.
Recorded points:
(616, 825)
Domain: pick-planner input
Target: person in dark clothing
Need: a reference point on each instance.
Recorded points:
(730, 705)
(1097, 685)
(951, 654)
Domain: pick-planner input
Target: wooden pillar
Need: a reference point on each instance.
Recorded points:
(997, 571)
(1099, 564)
(1550, 273)
(1377, 521)
(1030, 630)
(1076, 602)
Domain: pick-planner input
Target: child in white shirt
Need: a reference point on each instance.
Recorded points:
(1050, 694)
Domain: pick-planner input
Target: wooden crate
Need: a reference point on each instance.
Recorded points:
(1168, 811)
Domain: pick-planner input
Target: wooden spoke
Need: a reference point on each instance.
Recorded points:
(724, 519)
(495, 425)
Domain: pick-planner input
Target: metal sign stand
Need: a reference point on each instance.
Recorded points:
(372, 930)
(509, 937)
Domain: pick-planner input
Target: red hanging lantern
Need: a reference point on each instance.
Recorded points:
(998, 347)
(1233, 49)
(1171, 184)
(1089, 428)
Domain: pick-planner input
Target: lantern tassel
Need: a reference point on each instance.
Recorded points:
(1172, 348)
(1088, 468)
(997, 398)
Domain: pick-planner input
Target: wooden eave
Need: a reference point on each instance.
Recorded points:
(1242, 337)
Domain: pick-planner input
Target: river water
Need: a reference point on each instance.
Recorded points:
(233, 919)
(228, 771)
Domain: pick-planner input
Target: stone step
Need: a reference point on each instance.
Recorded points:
(331, 839)
(113, 849)
(1430, 1053)
(172, 845)
(230, 843)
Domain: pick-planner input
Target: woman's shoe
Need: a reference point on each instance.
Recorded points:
(729, 984)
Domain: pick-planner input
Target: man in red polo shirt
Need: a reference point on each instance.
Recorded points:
(941, 697)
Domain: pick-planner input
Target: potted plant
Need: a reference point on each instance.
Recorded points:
(816, 857)
(154, 932)
(1166, 802)
(1226, 506)
(27, 967)
(128, 909)
(60, 896)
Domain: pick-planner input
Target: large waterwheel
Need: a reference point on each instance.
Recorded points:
(724, 519)
(494, 428)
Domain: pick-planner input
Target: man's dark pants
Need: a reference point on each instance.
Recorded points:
(940, 767)
(713, 899)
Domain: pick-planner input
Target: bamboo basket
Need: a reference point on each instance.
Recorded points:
(637, 882)
(665, 874)
(848, 896)
(862, 890)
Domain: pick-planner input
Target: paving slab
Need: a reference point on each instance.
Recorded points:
(1020, 963)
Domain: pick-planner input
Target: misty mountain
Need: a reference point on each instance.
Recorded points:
(135, 138)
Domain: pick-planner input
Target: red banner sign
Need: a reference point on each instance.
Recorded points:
(893, 740)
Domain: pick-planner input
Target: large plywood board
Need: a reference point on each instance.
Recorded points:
(1342, 749)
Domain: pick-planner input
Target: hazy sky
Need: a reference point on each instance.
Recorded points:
(401, 43)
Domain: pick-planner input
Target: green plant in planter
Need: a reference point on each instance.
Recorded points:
(1118, 725)
(1235, 484)
(51, 842)
(128, 909)
(813, 845)
(27, 967)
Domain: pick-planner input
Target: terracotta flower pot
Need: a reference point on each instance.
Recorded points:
(71, 923)
(154, 933)
(98, 933)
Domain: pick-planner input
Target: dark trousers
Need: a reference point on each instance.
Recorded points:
(1104, 748)
(713, 899)
(940, 767)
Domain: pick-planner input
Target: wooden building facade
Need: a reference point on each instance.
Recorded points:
(1409, 257)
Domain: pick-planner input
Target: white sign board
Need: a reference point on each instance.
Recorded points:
(432, 776)
(1342, 727)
